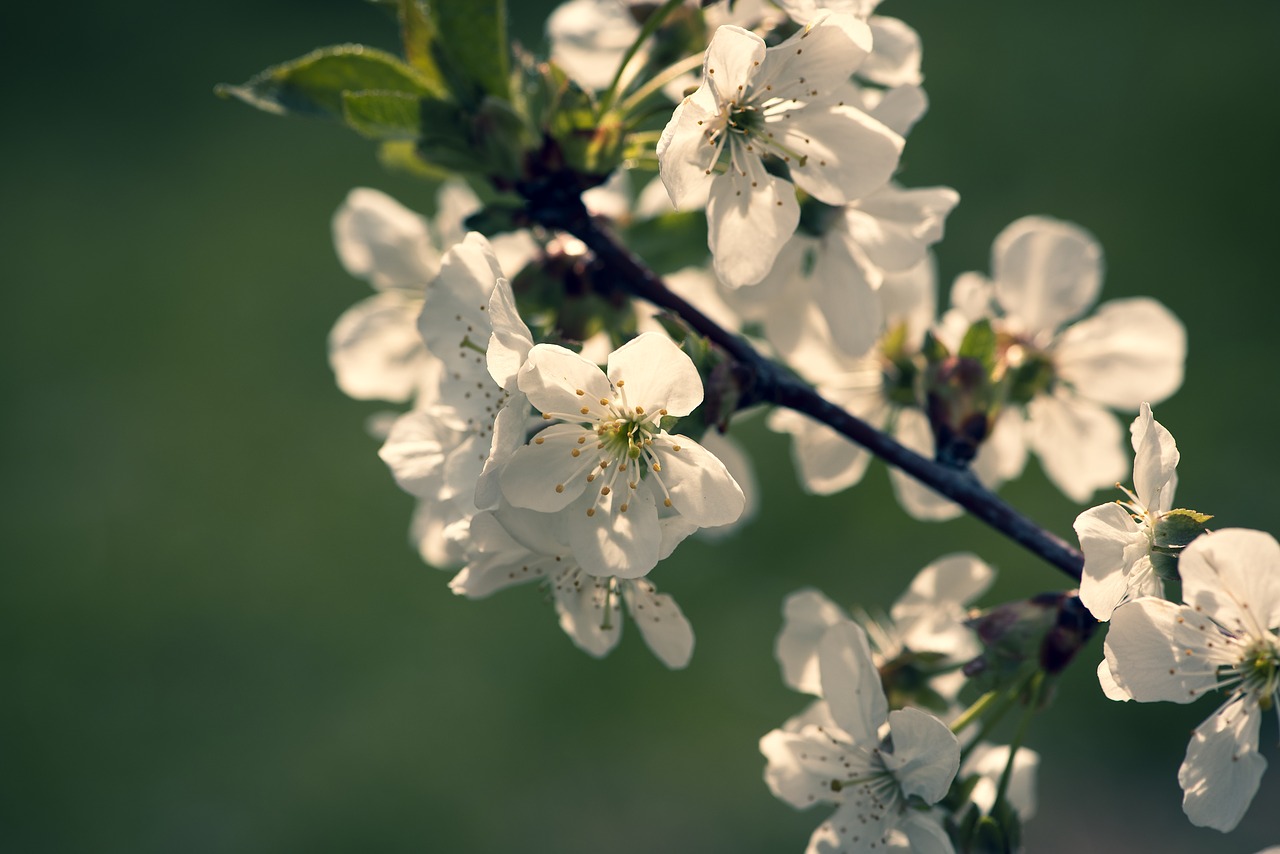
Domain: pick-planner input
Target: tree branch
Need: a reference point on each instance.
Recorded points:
(767, 382)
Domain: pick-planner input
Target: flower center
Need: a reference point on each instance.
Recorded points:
(1259, 670)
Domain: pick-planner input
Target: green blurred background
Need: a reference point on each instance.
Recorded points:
(215, 636)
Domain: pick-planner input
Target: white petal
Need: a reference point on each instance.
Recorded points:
(926, 754)
(661, 623)
(895, 227)
(545, 476)
(1110, 687)
(895, 54)
(801, 782)
(806, 614)
(989, 761)
(685, 155)
(845, 296)
(1108, 535)
(900, 108)
(610, 542)
(850, 681)
(1233, 575)
(375, 350)
(930, 613)
(912, 429)
(825, 461)
(508, 436)
(1080, 444)
(749, 218)
(701, 488)
(742, 471)
(581, 601)
(1145, 650)
(815, 62)
(856, 827)
(847, 154)
(1223, 768)
(1129, 351)
(510, 341)
(1046, 272)
(732, 60)
(383, 242)
(657, 373)
(1154, 462)
(431, 531)
(415, 451)
(553, 376)
(925, 833)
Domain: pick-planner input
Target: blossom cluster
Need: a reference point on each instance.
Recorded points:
(559, 434)
(1222, 632)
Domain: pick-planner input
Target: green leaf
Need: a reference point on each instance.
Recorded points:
(401, 155)
(418, 33)
(980, 343)
(471, 45)
(670, 242)
(313, 85)
(382, 115)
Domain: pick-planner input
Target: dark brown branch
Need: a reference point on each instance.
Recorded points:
(767, 382)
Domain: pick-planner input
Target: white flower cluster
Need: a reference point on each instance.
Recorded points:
(884, 769)
(528, 462)
(1223, 634)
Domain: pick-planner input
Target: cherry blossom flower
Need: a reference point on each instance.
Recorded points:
(511, 546)
(1045, 274)
(1227, 637)
(448, 453)
(781, 102)
(608, 462)
(375, 348)
(873, 764)
(928, 617)
(1117, 538)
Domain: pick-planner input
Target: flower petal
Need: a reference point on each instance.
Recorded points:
(581, 602)
(561, 383)
(544, 475)
(806, 615)
(510, 341)
(1223, 768)
(846, 153)
(657, 373)
(1046, 272)
(1080, 444)
(1233, 575)
(685, 154)
(850, 681)
(1129, 351)
(1145, 649)
(701, 488)
(925, 756)
(1154, 462)
(895, 54)
(750, 215)
(794, 773)
(610, 542)
(1107, 535)
(663, 625)
(383, 242)
(375, 350)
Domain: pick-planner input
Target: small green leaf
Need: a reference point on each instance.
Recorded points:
(382, 115)
(471, 46)
(313, 85)
(669, 242)
(401, 155)
(980, 343)
(1179, 527)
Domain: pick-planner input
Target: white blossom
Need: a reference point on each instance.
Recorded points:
(511, 546)
(1117, 538)
(1045, 274)
(606, 460)
(1226, 637)
(873, 764)
(783, 102)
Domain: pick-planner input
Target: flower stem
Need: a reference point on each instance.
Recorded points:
(972, 713)
(651, 25)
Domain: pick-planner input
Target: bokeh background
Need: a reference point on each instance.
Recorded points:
(213, 634)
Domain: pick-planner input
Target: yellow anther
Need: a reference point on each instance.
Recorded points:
(604, 490)
(585, 411)
(666, 502)
(675, 447)
(590, 478)
(538, 441)
(575, 452)
(623, 508)
(579, 392)
(582, 440)
(559, 487)
(546, 417)
(591, 511)
(639, 410)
